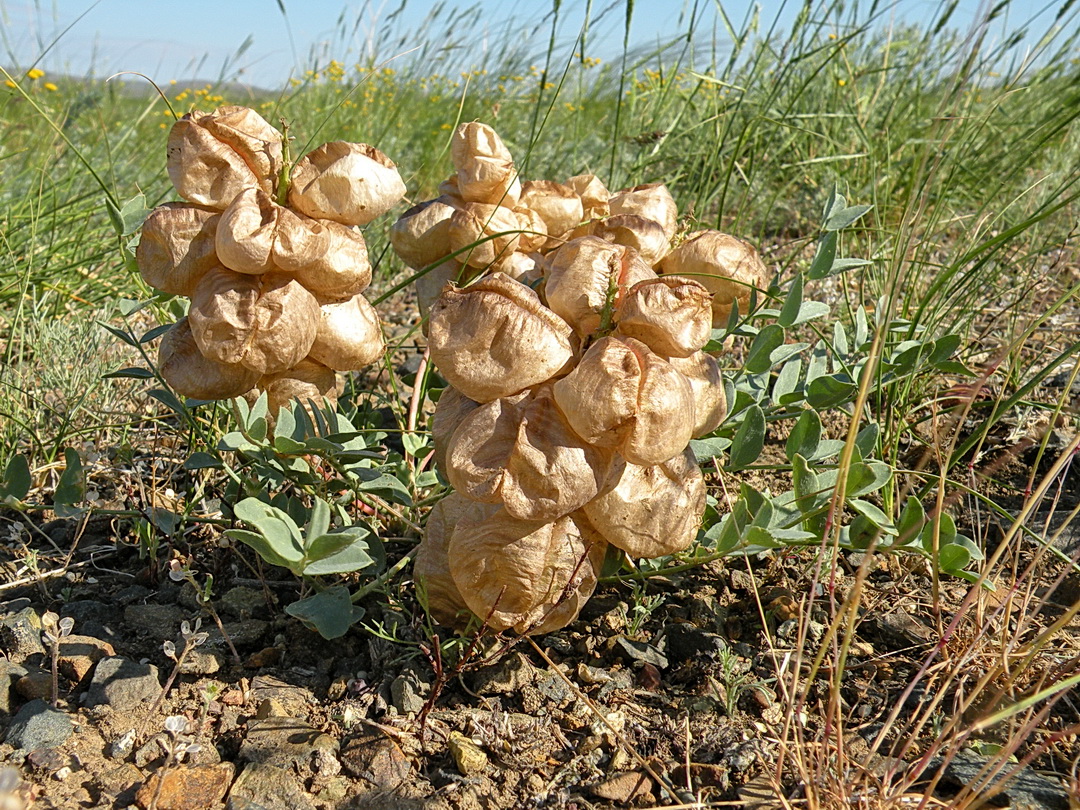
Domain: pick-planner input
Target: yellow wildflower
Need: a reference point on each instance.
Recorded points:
(35, 73)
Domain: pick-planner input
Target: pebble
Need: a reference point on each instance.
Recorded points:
(409, 692)
(625, 788)
(187, 788)
(38, 725)
(20, 635)
(685, 642)
(122, 683)
(284, 741)
(79, 654)
(10, 672)
(1026, 790)
(242, 602)
(160, 622)
(505, 676)
(261, 786)
(122, 745)
(377, 759)
(201, 663)
(293, 699)
(469, 757)
(640, 651)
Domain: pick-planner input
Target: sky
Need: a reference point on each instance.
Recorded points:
(254, 42)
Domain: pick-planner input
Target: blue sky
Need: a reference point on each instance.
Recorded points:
(185, 39)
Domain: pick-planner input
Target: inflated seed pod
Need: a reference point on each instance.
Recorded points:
(528, 576)
(587, 276)
(672, 315)
(622, 395)
(645, 236)
(349, 335)
(710, 402)
(421, 236)
(729, 267)
(494, 338)
(651, 201)
(475, 221)
(267, 323)
(350, 183)
(485, 168)
(451, 409)
(534, 230)
(430, 285)
(528, 268)
(340, 271)
(212, 157)
(307, 380)
(192, 374)
(594, 195)
(431, 565)
(176, 247)
(559, 206)
(247, 232)
(651, 511)
(521, 452)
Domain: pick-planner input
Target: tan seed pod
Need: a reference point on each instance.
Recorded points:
(527, 576)
(430, 285)
(193, 375)
(307, 380)
(521, 451)
(672, 315)
(495, 338)
(643, 235)
(213, 157)
(528, 268)
(431, 565)
(651, 511)
(349, 336)
(451, 409)
(350, 183)
(247, 232)
(176, 247)
(485, 168)
(729, 267)
(707, 385)
(534, 230)
(475, 221)
(339, 271)
(558, 205)
(651, 201)
(594, 195)
(266, 323)
(623, 395)
(421, 236)
(588, 274)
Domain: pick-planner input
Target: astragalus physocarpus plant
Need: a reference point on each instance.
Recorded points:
(570, 327)
(270, 255)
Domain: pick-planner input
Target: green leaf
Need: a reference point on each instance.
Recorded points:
(866, 440)
(384, 484)
(871, 512)
(804, 437)
(330, 613)
(792, 304)
(862, 328)
(828, 392)
(202, 461)
(845, 217)
(867, 476)
(749, 439)
(709, 447)
(319, 522)
(943, 348)
(122, 335)
(285, 427)
(758, 359)
(288, 446)
(169, 400)
(71, 489)
(263, 547)
(131, 215)
(129, 373)
(953, 557)
(346, 558)
(17, 479)
(785, 352)
(414, 443)
(843, 265)
(975, 552)
(275, 525)
(946, 532)
(809, 311)
(806, 485)
(912, 518)
(787, 380)
(155, 333)
(824, 258)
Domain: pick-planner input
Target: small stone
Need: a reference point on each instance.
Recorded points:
(266, 657)
(153, 750)
(554, 689)
(900, 629)
(201, 663)
(20, 635)
(640, 651)
(626, 787)
(244, 635)
(469, 758)
(243, 603)
(377, 759)
(10, 672)
(295, 699)
(122, 684)
(122, 745)
(160, 622)
(187, 788)
(271, 707)
(78, 654)
(38, 725)
(506, 676)
(686, 642)
(409, 693)
(1024, 790)
(35, 685)
(261, 786)
(48, 760)
(283, 741)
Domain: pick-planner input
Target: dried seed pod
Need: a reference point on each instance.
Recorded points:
(430, 285)
(495, 338)
(349, 335)
(247, 232)
(710, 401)
(594, 195)
(192, 374)
(307, 380)
(645, 236)
(485, 168)
(177, 247)
(558, 205)
(527, 268)
(350, 183)
(587, 276)
(729, 267)
(421, 236)
(527, 576)
(623, 395)
(266, 323)
(339, 271)
(521, 451)
(534, 230)
(213, 157)
(451, 409)
(475, 221)
(651, 201)
(431, 565)
(651, 511)
(672, 315)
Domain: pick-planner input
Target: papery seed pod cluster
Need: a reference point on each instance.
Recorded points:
(570, 327)
(275, 276)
